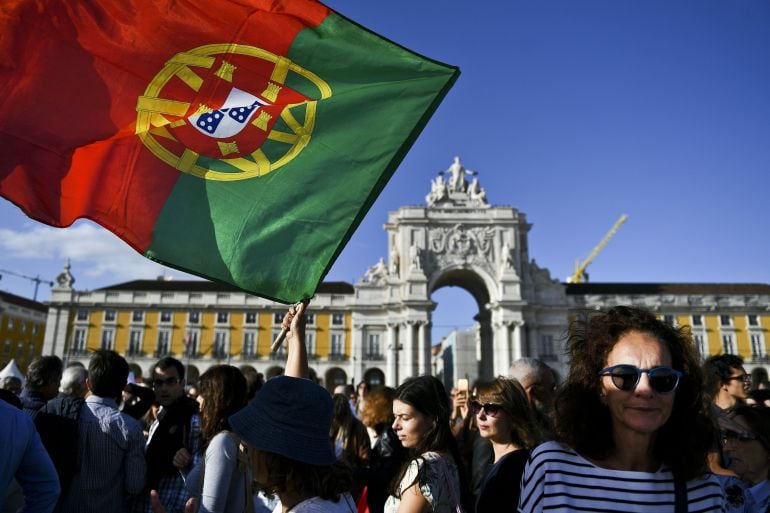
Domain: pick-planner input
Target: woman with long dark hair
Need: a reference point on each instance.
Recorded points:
(429, 480)
(222, 479)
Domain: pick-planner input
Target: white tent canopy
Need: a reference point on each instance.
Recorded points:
(12, 370)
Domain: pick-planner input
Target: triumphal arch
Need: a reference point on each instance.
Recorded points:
(457, 239)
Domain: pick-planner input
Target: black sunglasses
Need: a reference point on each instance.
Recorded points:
(490, 409)
(663, 380)
(157, 383)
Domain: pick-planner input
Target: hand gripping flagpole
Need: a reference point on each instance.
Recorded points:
(282, 335)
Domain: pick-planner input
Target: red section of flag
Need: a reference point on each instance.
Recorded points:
(71, 72)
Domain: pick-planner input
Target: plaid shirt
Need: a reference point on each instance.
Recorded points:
(171, 489)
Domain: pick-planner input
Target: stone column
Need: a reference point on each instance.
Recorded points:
(423, 345)
(502, 360)
(391, 358)
(357, 351)
(517, 353)
(410, 349)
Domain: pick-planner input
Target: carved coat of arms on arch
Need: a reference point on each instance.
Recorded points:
(459, 241)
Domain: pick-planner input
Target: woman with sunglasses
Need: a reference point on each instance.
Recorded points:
(505, 418)
(747, 444)
(429, 479)
(631, 421)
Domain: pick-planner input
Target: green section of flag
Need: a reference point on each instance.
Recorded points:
(278, 235)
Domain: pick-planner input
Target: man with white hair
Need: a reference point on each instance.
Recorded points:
(73, 382)
(539, 383)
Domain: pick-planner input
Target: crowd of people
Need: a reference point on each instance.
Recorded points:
(639, 423)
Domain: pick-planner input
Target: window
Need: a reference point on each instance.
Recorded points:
(728, 344)
(546, 348)
(194, 317)
(108, 339)
(164, 343)
(697, 320)
(757, 345)
(310, 317)
(753, 320)
(338, 319)
(23, 327)
(82, 315)
(372, 351)
(278, 318)
(310, 344)
(137, 316)
(251, 317)
(35, 329)
(165, 316)
(249, 344)
(79, 341)
(10, 323)
(338, 347)
(191, 344)
(7, 347)
(109, 316)
(669, 319)
(724, 320)
(222, 317)
(135, 342)
(220, 345)
(700, 344)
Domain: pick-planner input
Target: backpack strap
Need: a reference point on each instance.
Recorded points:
(680, 496)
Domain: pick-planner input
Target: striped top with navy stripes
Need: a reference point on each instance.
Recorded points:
(557, 479)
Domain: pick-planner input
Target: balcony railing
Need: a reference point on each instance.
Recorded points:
(337, 357)
(374, 356)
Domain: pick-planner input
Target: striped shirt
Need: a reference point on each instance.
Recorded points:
(558, 479)
(111, 466)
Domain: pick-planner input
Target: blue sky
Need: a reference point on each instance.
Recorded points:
(572, 112)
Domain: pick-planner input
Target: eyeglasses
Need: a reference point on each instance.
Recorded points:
(663, 380)
(746, 378)
(734, 436)
(490, 409)
(157, 383)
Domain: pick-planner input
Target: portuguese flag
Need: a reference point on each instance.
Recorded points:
(239, 140)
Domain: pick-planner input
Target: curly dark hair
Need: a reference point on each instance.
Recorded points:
(509, 393)
(43, 371)
(717, 371)
(584, 422)
(223, 388)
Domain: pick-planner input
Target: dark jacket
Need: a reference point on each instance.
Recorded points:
(171, 434)
(31, 402)
(57, 423)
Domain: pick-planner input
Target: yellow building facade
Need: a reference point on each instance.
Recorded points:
(200, 323)
(22, 328)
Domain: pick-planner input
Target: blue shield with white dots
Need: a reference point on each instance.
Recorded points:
(231, 118)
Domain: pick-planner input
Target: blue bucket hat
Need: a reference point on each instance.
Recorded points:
(291, 417)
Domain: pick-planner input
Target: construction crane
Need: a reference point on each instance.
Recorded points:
(580, 275)
(35, 279)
